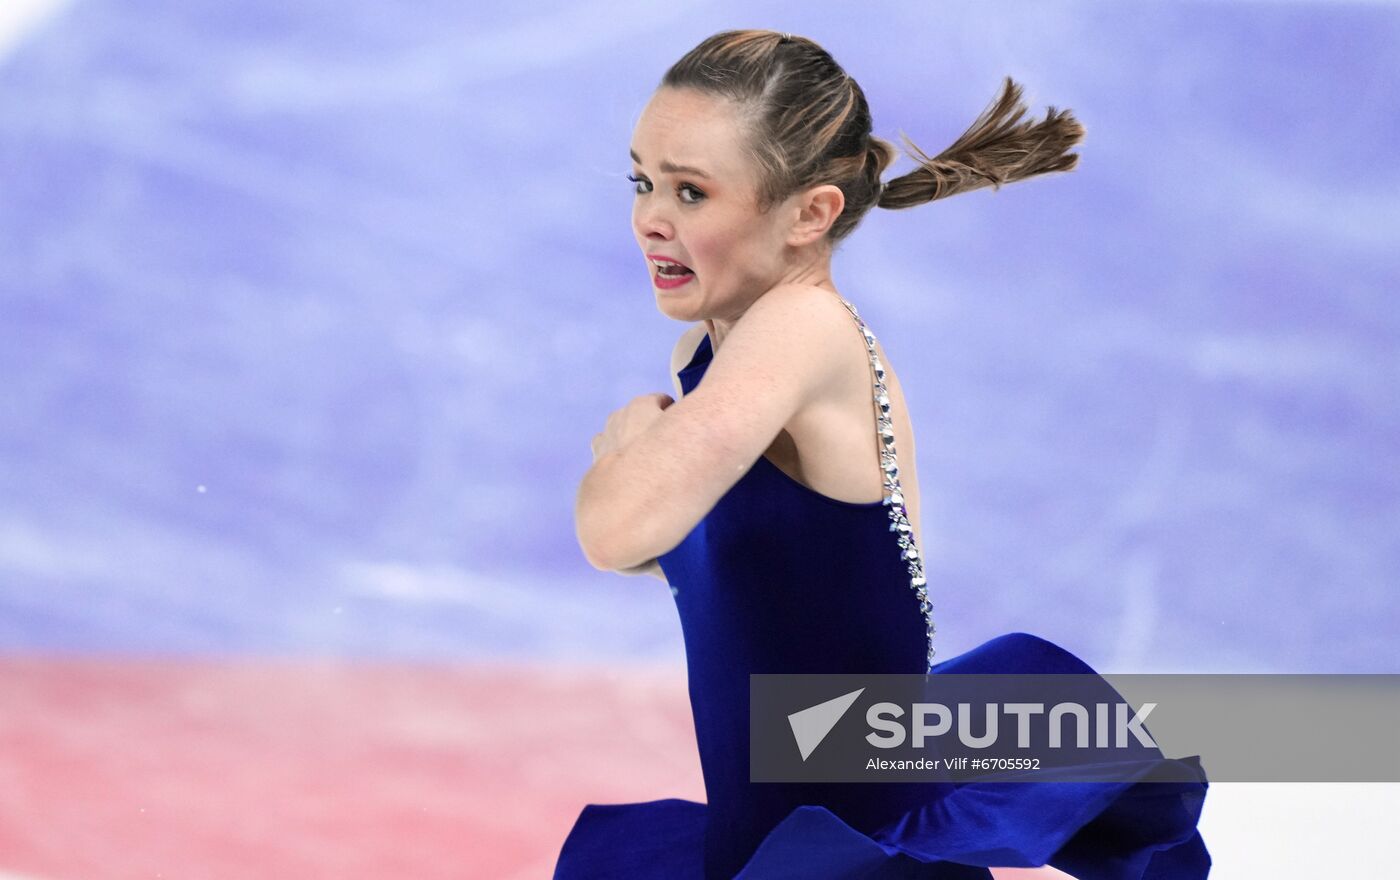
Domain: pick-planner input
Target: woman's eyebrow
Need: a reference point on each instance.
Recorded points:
(671, 168)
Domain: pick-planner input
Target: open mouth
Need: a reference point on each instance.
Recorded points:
(671, 269)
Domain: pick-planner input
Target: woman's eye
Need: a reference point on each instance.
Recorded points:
(696, 196)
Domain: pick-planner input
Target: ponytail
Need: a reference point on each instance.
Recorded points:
(998, 148)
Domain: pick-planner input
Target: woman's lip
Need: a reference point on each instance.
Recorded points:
(667, 282)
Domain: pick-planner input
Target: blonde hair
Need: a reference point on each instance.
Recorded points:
(808, 123)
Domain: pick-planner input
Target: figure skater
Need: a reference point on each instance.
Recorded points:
(769, 495)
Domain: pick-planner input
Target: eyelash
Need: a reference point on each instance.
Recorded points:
(684, 186)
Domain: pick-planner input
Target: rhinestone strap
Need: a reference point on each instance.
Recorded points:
(894, 497)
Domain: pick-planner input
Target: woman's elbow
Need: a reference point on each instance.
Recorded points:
(594, 526)
(604, 554)
(615, 536)
(595, 552)
(612, 543)
(598, 539)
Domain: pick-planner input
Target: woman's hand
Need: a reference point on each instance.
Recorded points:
(629, 422)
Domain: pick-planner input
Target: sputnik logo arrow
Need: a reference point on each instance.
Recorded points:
(811, 725)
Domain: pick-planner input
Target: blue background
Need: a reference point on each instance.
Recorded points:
(308, 313)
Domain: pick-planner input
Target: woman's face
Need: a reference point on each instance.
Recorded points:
(696, 203)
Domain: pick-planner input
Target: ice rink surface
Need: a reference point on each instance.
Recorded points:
(308, 313)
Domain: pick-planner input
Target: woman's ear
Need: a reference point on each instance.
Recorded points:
(817, 209)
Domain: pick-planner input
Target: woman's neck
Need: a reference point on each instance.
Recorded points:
(815, 273)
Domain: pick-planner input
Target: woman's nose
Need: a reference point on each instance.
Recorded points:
(651, 221)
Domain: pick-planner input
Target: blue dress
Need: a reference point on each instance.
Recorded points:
(779, 578)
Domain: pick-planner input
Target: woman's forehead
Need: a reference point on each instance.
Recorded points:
(687, 128)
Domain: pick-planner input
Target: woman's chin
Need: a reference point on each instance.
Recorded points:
(674, 305)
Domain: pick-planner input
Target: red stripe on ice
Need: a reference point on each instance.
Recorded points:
(117, 768)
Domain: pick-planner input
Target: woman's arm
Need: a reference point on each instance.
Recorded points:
(681, 354)
(660, 472)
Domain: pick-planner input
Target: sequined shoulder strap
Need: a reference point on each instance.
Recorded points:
(894, 497)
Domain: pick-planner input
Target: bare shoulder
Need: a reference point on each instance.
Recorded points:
(793, 315)
(782, 348)
(804, 301)
(800, 324)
